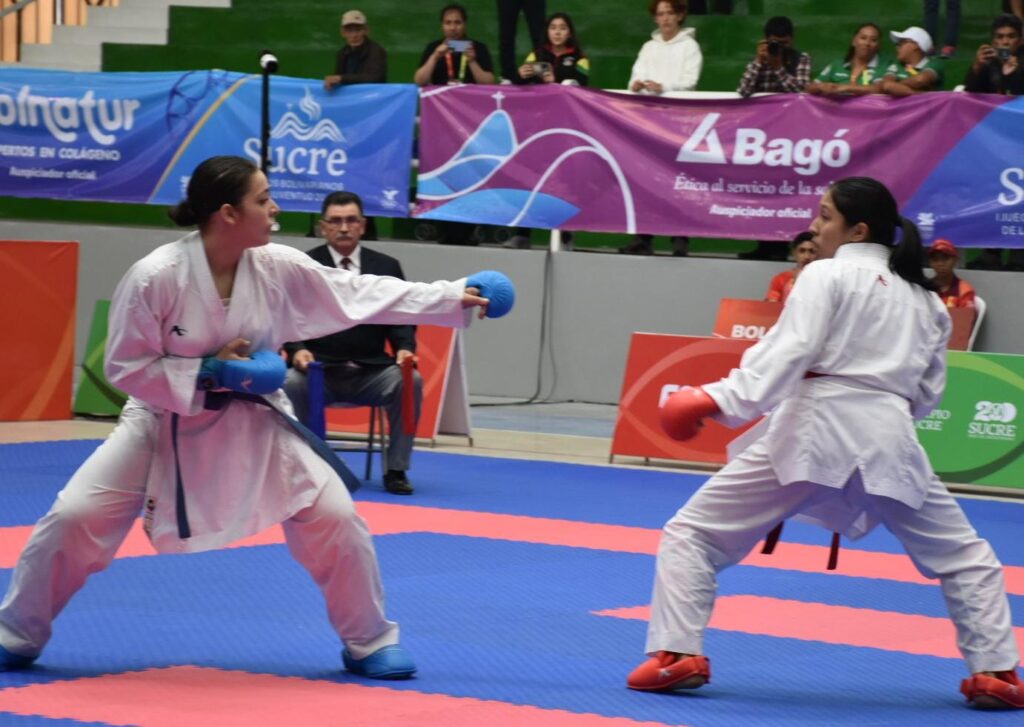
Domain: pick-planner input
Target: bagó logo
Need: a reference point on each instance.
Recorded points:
(303, 147)
(389, 201)
(753, 147)
(704, 134)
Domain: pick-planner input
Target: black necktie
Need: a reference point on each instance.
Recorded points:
(346, 263)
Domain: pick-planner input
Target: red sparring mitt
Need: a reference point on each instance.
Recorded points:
(683, 411)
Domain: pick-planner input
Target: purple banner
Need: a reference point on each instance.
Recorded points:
(558, 156)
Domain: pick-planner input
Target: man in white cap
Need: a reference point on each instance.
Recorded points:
(361, 60)
(914, 71)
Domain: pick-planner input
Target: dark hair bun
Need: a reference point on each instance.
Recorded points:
(183, 215)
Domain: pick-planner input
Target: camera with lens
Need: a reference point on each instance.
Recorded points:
(774, 47)
(541, 69)
(1003, 54)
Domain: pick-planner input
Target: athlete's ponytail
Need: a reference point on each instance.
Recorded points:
(863, 199)
(908, 255)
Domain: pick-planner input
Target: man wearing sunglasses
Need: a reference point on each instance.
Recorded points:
(357, 366)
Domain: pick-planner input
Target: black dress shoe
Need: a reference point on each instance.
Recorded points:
(397, 483)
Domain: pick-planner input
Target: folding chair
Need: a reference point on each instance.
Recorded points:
(375, 439)
(979, 306)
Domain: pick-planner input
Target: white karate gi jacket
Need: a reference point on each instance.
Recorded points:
(880, 343)
(243, 468)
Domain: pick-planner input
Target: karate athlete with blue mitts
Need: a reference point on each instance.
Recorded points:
(205, 447)
(858, 354)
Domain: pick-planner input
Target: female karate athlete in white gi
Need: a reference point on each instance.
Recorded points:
(857, 355)
(222, 292)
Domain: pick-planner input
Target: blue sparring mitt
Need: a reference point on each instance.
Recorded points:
(262, 373)
(497, 288)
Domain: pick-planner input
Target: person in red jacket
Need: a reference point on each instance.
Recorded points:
(805, 250)
(955, 292)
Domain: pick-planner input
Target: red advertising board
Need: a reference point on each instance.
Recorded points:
(39, 281)
(657, 366)
(745, 319)
(749, 320)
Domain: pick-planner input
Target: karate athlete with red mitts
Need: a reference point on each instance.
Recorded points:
(858, 354)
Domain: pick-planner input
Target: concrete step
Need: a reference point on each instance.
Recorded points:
(70, 57)
(184, 3)
(80, 48)
(85, 34)
(129, 17)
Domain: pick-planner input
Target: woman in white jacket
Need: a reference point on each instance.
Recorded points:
(671, 60)
(858, 354)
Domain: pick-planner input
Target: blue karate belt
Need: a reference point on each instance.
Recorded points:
(217, 400)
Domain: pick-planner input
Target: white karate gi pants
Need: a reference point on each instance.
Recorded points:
(94, 512)
(737, 507)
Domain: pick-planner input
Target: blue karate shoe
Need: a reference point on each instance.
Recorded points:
(388, 662)
(13, 662)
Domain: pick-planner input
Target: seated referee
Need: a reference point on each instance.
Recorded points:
(357, 367)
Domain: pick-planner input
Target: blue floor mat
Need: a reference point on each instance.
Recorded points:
(502, 620)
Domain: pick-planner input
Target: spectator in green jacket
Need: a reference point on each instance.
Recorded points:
(914, 71)
(855, 73)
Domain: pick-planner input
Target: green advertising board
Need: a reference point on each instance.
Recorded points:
(95, 395)
(974, 435)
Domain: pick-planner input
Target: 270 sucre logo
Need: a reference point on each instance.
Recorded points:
(993, 420)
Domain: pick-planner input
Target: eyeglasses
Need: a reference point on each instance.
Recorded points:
(339, 221)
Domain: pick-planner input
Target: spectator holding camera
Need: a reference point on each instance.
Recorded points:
(777, 67)
(559, 60)
(671, 60)
(858, 70)
(999, 67)
(455, 58)
(915, 71)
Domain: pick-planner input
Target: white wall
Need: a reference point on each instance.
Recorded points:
(595, 301)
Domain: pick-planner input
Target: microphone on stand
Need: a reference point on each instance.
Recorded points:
(268, 65)
(268, 61)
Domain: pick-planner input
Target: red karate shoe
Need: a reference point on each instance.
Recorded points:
(667, 671)
(1002, 691)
